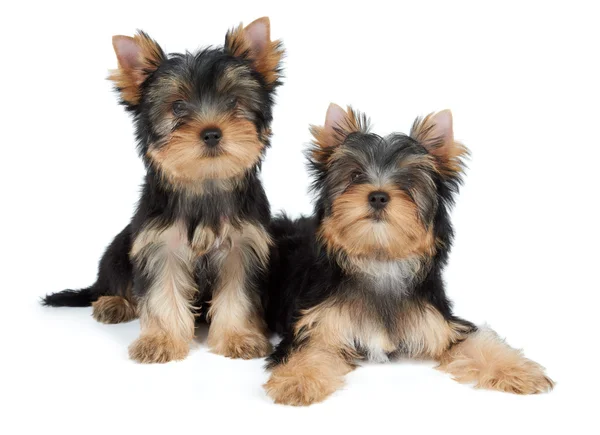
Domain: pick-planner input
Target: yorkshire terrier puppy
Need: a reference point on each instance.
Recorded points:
(199, 236)
(362, 278)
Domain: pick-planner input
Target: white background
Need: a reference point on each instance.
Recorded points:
(522, 81)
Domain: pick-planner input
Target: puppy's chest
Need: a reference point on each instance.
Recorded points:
(249, 241)
(385, 278)
(210, 209)
(183, 239)
(377, 297)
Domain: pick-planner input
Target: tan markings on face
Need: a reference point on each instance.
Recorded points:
(113, 309)
(424, 332)
(399, 233)
(185, 159)
(485, 360)
(166, 312)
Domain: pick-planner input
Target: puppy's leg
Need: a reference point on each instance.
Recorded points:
(426, 333)
(484, 359)
(237, 328)
(113, 309)
(115, 303)
(310, 365)
(164, 283)
(309, 375)
(469, 354)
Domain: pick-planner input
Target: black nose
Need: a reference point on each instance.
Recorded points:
(211, 136)
(378, 200)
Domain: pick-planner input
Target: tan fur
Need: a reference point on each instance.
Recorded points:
(309, 376)
(157, 346)
(237, 329)
(448, 152)
(266, 59)
(113, 309)
(399, 234)
(329, 136)
(166, 315)
(332, 330)
(341, 326)
(185, 161)
(484, 359)
(129, 78)
(425, 333)
(244, 341)
(205, 238)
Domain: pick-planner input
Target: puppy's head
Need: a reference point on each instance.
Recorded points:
(384, 197)
(203, 115)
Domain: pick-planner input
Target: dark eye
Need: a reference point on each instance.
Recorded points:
(231, 103)
(354, 176)
(179, 108)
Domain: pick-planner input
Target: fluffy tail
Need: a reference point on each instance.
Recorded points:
(71, 298)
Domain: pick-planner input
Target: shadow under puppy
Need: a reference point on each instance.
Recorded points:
(199, 236)
(362, 278)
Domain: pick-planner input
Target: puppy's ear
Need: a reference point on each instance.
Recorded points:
(339, 123)
(436, 134)
(253, 42)
(137, 57)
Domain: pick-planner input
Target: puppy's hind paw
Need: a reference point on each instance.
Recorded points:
(113, 309)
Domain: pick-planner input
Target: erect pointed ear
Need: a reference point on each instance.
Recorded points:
(436, 134)
(137, 57)
(254, 42)
(339, 123)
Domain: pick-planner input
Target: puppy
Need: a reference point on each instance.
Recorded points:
(362, 278)
(199, 236)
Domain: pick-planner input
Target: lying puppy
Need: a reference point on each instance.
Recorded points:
(362, 279)
(199, 236)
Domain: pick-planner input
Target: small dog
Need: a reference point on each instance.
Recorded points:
(362, 279)
(199, 235)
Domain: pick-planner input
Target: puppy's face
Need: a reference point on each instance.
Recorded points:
(205, 115)
(379, 195)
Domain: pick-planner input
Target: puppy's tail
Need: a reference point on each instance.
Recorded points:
(71, 298)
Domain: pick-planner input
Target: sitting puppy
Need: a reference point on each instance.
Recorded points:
(199, 236)
(362, 279)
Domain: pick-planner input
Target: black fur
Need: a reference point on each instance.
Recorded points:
(160, 201)
(304, 273)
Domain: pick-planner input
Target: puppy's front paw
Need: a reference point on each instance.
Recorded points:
(300, 389)
(525, 378)
(157, 348)
(245, 345)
